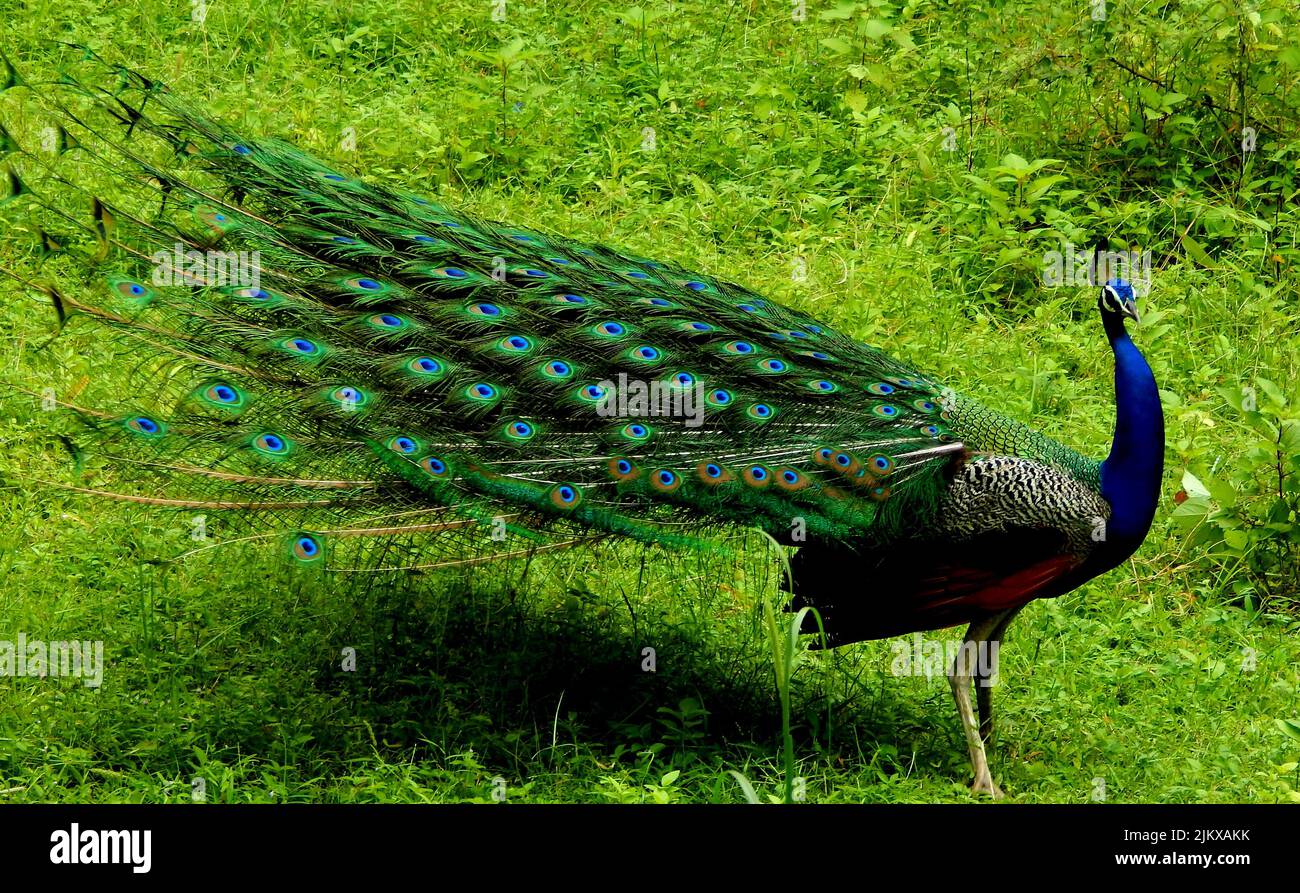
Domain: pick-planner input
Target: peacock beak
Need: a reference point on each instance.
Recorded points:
(1130, 309)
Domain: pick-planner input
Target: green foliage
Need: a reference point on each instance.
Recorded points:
(1291, 728)
(1246, 511)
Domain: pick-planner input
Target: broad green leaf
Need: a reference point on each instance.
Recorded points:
(1013, 162)
(842, 12)
(876, 28)
(1289, 727)
(1196, 252)
(1039, 187)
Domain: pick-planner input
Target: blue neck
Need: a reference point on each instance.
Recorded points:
(1131, 474)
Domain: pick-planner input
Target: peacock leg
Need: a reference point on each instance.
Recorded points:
(959, 677)
(983, 686)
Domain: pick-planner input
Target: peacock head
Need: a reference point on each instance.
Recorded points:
(1117, 297)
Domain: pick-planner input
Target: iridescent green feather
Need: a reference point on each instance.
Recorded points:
(399, 368)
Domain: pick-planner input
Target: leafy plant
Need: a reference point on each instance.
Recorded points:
(1291, 728)
(1246, 510)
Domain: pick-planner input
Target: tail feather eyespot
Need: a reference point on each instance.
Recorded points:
(515, 344)
(712, 473)
(405, 444)
(272, 445)
(388, 322)
(592, 393)
(136, 293)
(145, 426)
(665, 480)
(557, 370)
(719, 397)
(880, 464)
(609, 329)
(519, 430)
(223, 396)
(636, 432)
(364, 285)
(435, 467)
(300, 346)
(217, 221)
(845, 464)
(486, 310)
(427, 367)
(565, 496)
(482, 392)
(645, 353)
(348, 397)
(623, 470)
(306, 548)
(790, 479)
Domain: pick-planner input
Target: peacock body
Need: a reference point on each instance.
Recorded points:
(385, 377)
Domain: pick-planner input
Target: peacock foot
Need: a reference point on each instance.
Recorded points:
(984, 784)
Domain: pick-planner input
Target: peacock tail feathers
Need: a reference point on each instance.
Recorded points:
(337, 366)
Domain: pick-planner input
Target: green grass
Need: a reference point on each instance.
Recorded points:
(770, 155)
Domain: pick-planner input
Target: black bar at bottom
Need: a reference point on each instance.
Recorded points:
(340, 843)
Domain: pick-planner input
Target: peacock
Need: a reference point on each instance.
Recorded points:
(359, 377)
